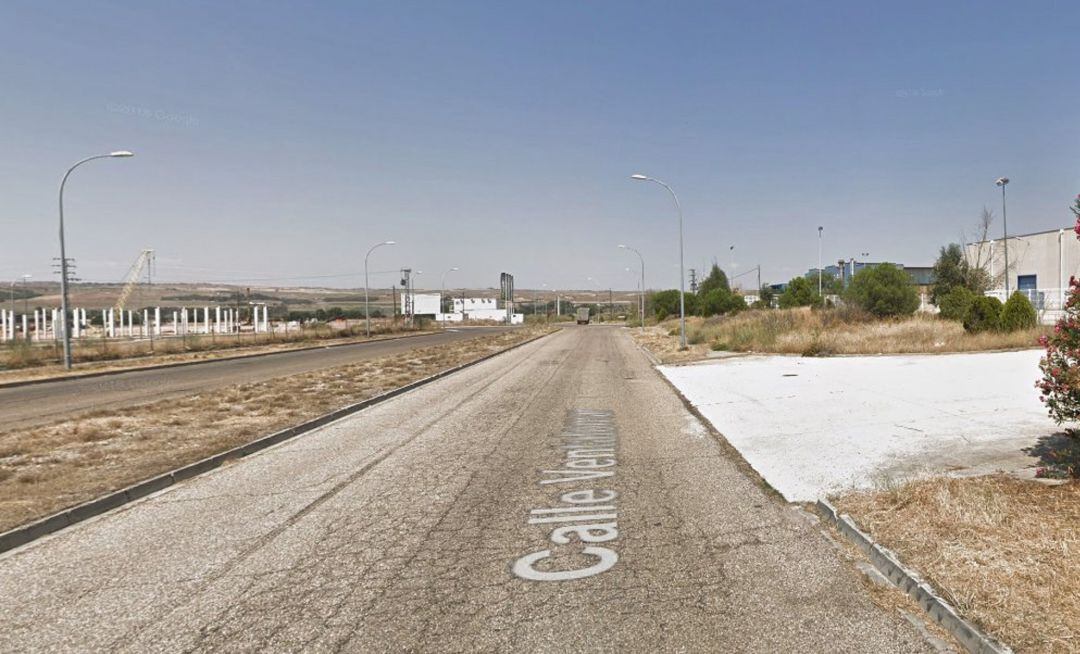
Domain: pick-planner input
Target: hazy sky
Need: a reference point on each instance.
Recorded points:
(275, 143)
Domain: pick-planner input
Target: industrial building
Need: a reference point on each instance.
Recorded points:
(470, 308)
(1040, 265)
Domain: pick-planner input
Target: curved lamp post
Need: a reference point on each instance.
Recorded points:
(367, 312)
(119, 154)
(627, 247)
(682, 273)
(442, 288)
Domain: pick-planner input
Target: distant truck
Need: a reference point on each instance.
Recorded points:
(583, 316)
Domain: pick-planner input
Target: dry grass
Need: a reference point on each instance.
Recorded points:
(21, 362)
(48, 468)
(1005, 552)
(836, 331)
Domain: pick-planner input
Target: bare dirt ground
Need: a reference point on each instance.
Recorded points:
(1002, 550)
(48, 468)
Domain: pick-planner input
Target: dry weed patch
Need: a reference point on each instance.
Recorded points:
(47, 468)
(22, 361)
(823, 333)
(1002, 550)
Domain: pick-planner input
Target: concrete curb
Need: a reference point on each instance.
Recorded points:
(909, 581)
(181, 364)
(50, 524)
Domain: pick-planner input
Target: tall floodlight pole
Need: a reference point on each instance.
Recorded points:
(26, 295)
(63, 253)
(642, 259)
(819, 273)
(682, 272)
(1003, 182)
(367, 311)
(442, 286)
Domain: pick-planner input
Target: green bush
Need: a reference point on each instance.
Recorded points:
(954, 305)
(984, 314)
(799, 293)
(883, 290)
(1018, 313)
(712, 302)
(667, 302)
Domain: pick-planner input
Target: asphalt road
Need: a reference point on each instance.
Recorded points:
(24, 406)
(425, 524)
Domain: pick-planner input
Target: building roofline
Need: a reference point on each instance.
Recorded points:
(1067, 228)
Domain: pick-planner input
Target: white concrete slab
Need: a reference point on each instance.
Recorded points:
(813, 426)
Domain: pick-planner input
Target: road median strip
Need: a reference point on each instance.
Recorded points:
(181, 364)
(57, 521)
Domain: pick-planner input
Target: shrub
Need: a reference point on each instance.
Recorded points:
(884, 290)
(668, 302)
(954, 304)
(799, 293)
(735, 303)
(1018, 313)
(1060, 383)
(713, 303)
(983, 315)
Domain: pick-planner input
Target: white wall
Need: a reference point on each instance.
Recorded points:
(424, 304)
(474, 304)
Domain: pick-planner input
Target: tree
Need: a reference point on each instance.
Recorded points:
(983, 315)
(799, 293)
(735, 303)
(666, 303)
(766, 295)
(716, 279)
(1018, 313)
(952, 269)
(713, 302)
(830, 284)
(883, 290)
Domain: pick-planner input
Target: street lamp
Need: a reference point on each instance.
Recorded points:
(819, 272)
(119, 154)
(1003, 182)
(443, 286)
(367, 311)
(682, 283)
(642, 259)
(26, 295)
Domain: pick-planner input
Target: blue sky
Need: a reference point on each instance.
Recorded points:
(276, 142)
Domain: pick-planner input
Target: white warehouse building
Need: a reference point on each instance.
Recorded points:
(1040, 265)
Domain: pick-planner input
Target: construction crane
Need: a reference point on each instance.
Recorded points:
(145, 258)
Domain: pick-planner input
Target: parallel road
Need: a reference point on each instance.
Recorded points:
(24, 406)
(452, 518)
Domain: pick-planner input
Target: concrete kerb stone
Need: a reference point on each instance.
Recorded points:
(50, 524)
(911, 583)
(182, 364)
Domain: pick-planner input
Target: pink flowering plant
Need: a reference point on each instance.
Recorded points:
(1060, 383)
